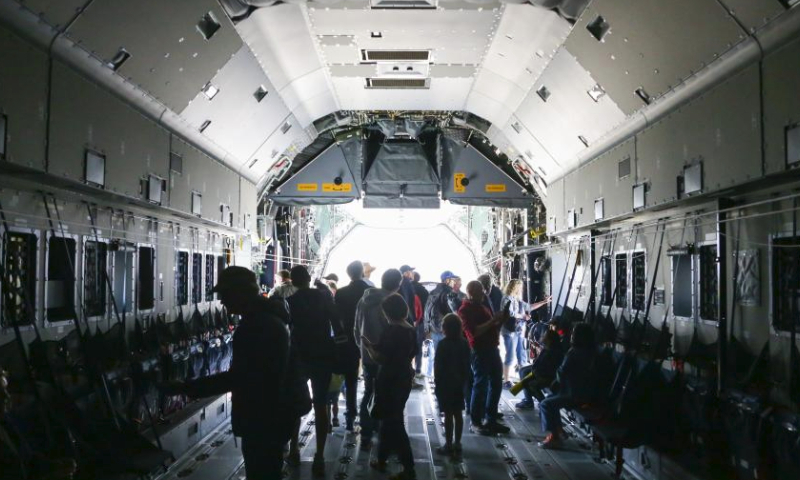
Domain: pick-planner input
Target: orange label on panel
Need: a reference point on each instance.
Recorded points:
(332, 187)
(457, 186)
(307, 187)
(496, 188)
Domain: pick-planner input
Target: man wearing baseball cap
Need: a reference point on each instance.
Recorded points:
(267, 394)
(441, 301)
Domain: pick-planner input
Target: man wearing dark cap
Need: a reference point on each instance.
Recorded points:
(407, 291)
(346, 301)
(312, 317)
(267, 395)
(441, 301)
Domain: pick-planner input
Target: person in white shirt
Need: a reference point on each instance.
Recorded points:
(284, 289)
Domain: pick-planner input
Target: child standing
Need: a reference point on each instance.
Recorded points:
(451, 370)
(334, 390)
(394, 352)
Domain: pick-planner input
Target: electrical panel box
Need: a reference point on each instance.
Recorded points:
(225, 214)
(639, 196)
(95, 170)
(197, 204)
(709, 283)
(210, 277)
(3, 122)
(599, 209)
(155, 186)
(693, 179)
(572, 218)
(792, 145)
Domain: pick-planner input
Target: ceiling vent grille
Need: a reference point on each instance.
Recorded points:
(398, 83)
(395, 55)
(403, 4)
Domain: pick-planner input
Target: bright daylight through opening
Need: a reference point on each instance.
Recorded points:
(389, 238)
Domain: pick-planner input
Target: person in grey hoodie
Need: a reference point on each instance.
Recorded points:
(370, 323)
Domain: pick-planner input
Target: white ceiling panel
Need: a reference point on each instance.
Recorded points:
(443, 94)
(239, 121)
(499, 88)
(526, 40)
(525, 145)
(454, 36)
(274, 147)
(488, 107)
(308, 89)
(569, 112)
(280, 38)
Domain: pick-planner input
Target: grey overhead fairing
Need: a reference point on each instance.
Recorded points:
(469, 178)
(401, 176)
(331, 178)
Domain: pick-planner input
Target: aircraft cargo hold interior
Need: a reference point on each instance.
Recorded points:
(400, 239)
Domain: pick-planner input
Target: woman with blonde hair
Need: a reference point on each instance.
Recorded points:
(512, 331)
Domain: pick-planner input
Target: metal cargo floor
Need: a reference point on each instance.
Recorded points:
(514, 456)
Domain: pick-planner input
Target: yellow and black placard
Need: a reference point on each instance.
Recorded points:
(495, 188)
(332, 187)
(458, 187)
(307, 187)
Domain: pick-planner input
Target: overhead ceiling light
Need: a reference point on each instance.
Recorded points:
(120, 57)
(596, 92)
(543, 93)
(210, 91)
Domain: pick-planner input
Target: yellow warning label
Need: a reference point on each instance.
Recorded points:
(332, 187)
(457, 186)
(495, 188)
(307, 187)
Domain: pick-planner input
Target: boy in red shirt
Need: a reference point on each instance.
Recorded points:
(483, 334)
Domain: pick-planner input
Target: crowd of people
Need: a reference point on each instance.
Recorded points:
(325, 336)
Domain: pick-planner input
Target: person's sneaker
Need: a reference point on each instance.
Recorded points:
(335, 421)
(497, 427)
(293, 459)
(379, 465)
(507, 385)
(445, 450)
(551, 442)
(524, 405)
(318, 467)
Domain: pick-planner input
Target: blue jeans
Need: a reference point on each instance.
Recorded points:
(367, 423)
(488, 384)
(514, 343)
(435, 339)
(550, 412)
(420, 341)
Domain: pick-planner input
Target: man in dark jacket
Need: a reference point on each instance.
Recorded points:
(267, 394)
(422, 295)
(371, 323)
(347, 299)
(493, 294)
(312, 317)
(407, 291)
(441, 301)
